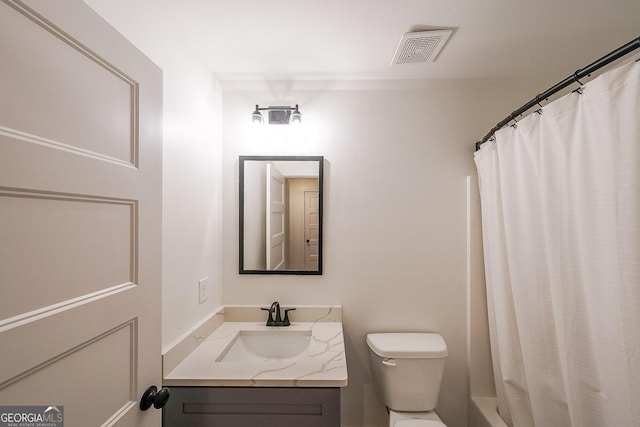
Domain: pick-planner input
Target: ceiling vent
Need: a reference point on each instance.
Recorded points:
(421, 46)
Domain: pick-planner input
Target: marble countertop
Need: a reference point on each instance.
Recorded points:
(324, 366)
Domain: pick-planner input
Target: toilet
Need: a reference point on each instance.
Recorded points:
(407, 373)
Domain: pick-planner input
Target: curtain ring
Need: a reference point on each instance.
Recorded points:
(515, 122)
(579, 89)
(539, 110)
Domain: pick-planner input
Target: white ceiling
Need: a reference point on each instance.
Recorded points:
(356, 39)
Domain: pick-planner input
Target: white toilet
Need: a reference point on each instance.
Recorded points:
(407, 372)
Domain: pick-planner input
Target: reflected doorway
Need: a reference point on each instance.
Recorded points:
(302, 223)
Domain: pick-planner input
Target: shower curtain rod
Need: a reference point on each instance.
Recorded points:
(575, 77)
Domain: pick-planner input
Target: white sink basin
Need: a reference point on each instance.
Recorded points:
(276, 345)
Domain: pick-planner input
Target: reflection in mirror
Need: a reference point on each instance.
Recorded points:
(280, 214)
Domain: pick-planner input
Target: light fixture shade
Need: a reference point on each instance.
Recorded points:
(256, 117)
(296, 116)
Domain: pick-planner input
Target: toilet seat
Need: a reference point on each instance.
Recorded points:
(418, 423)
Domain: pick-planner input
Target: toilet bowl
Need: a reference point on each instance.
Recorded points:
(407, 372)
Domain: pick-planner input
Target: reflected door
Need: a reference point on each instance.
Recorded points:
(311, 229)
(276, 234)
(80, 203)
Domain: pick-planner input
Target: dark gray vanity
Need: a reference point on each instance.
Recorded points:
(246, 373)
(253, 406)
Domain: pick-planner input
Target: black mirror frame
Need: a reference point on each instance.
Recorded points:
(241, 160)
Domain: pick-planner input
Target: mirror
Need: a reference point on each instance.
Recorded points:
(280, 214)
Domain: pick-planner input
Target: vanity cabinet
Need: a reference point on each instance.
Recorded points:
(253, 406)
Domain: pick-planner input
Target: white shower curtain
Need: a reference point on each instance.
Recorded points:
(560, 196)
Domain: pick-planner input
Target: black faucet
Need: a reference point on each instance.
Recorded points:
(278, 321)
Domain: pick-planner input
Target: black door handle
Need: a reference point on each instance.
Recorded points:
(155, 397)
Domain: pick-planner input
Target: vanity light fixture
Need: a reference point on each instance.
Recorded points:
(278, 115)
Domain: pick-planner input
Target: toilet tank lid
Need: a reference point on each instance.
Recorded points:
(410, 345)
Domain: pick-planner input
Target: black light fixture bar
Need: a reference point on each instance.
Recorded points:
(279, 114)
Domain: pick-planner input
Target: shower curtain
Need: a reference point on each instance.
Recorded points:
(560, 198)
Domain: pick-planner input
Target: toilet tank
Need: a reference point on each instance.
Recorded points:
(407, 369)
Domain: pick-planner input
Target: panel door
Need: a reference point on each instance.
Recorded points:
(80, 215)
(276, 230)
(311, 229)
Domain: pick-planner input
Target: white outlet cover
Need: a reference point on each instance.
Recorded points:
(202, 290)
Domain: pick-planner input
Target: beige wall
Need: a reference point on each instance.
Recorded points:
(191, 197)
(395, 238)
(191, 187)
